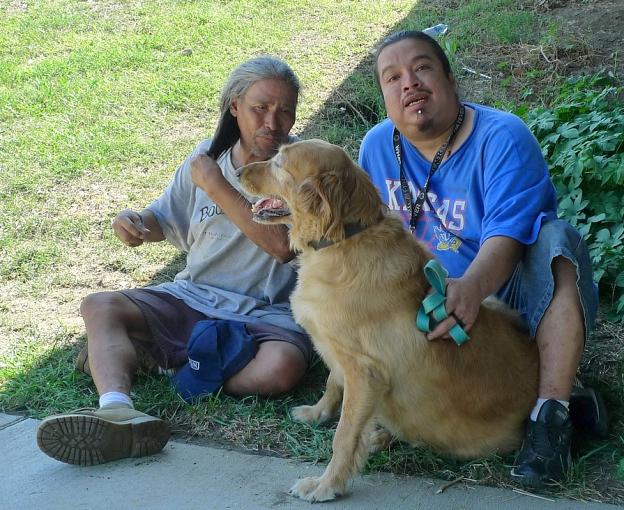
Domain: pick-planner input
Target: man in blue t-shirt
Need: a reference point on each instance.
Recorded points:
(472, 184)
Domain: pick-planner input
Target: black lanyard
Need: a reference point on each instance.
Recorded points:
(414, 208)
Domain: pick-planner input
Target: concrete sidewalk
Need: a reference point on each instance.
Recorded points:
(188, 477)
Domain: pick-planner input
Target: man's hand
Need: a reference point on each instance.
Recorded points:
(487, 273)
(463, 299)
(206, 173)
(129, 228)
(207, 176)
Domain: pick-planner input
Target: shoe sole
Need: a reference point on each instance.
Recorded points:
(88, 440)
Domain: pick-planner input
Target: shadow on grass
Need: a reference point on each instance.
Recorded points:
(353, 107)
(40, 380)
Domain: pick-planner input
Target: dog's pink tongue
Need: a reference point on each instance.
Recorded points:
(267, 203)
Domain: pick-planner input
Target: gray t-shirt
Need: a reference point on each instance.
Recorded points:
(226, 276)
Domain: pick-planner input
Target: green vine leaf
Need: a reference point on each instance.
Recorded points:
(582, 139)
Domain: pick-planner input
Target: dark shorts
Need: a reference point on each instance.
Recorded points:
(171, 321)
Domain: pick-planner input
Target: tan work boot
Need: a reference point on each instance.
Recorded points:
(88, 436)
(145, 363)
(81, 363)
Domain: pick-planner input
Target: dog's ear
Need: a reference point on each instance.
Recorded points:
(322, 195)
(332, 192)
(310, 199)
(340, 193)
(350, 195)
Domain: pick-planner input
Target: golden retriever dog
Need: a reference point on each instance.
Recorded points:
(359, 288)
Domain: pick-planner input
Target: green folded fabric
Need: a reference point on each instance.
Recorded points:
(432, 310)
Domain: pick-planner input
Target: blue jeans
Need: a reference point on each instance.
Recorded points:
(530, 288)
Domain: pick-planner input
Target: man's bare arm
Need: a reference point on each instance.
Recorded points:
(487, 273)
(273, 239)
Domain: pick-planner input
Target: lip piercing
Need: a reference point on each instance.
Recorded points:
(419, 112)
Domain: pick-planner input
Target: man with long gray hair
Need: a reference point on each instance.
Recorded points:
(236, 281)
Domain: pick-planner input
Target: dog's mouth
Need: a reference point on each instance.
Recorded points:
(270, 207)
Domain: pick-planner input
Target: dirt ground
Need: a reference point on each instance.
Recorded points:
(589, 37)
(599, 24)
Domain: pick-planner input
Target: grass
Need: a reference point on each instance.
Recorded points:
(100, 101)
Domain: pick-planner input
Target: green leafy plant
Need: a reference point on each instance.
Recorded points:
(582, 138)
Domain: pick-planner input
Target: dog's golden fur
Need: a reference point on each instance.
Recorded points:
(358, 298)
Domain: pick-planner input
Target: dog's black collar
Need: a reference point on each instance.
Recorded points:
(350, 230)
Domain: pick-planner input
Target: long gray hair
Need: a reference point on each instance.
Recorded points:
(241, 78)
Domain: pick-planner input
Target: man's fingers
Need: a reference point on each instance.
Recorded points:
(441, 329)
(141, 229)
(131, 229)
(136, 227)
(468, 326)
(129, 233)
(133, 242)
(465, 324)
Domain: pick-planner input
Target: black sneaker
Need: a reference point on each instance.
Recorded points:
(588, 412)
(545, 454)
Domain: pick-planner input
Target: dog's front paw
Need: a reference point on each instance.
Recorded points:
(304, 487)
(309, 414)
(313, 490)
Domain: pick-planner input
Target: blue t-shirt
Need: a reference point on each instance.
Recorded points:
(496, 184)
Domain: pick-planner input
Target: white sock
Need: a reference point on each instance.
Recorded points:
(540, 402)
(115, 397)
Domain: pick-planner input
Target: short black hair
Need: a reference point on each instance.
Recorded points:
(411, 34)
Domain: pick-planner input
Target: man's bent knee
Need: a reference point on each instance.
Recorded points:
(564, 271)
(109, 306)
(285, 368)
(277, 368)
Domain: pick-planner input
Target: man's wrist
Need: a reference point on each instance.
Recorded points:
(479, 283)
